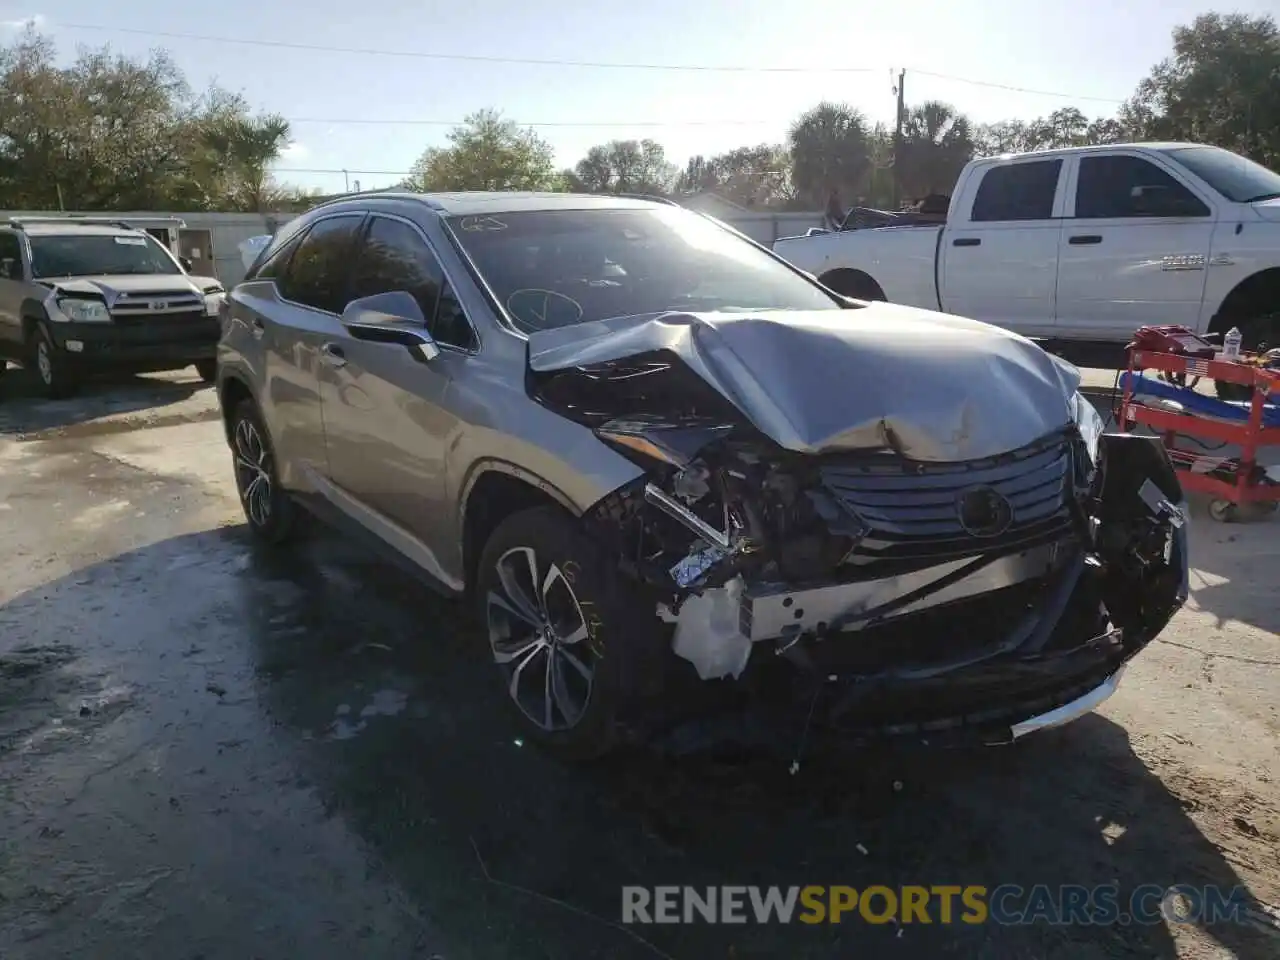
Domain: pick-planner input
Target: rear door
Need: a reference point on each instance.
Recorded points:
(291, 306)
(1134, 248)
(387, 424)
(999, 257)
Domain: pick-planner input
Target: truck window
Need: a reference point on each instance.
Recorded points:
(1112, 187)
(1017, 191)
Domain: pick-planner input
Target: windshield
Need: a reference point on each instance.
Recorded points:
(1235, 177)
(553, 268)
(98, 255)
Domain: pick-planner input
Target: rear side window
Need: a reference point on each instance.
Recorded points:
(318, 272)
(10, 257)
(1017, 191)
(1111, 187)
(273, 264)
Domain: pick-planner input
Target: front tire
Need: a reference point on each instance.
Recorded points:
(562, 626)
(207, 370)
(271, 513)
(52, 366)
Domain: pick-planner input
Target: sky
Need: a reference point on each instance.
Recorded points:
(363, 110)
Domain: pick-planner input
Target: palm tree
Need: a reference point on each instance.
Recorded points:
(937, 142)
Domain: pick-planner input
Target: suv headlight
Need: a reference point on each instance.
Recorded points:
(213, 301)
(84, 311)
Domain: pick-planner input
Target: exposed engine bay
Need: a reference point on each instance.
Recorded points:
(878, 578)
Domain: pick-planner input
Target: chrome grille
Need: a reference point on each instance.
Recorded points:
(910, 509)
(157, 305)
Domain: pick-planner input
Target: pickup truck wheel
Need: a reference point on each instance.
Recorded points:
(560, 620)
(1257, 335)
(52, 366)
(272, 514)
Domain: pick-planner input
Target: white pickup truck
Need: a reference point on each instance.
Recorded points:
(1081, 246)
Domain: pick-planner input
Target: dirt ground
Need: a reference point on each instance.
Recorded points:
(211, 752)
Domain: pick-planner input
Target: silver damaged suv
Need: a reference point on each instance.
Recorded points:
(675, 476)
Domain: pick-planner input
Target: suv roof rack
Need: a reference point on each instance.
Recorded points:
(126, 223)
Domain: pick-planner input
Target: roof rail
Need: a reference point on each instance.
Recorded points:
(648, 196)
(127, 223)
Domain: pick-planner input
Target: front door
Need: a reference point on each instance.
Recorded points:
(387, 424)
(1134, 250)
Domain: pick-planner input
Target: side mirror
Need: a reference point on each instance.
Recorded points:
(10, 269)
(185, 263)
(392, 318)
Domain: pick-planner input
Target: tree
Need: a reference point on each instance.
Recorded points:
(1221, 86)
(487, 152)
(114, 133)
(936, 143)
(830, 150)
(756, 176)
(626, 166)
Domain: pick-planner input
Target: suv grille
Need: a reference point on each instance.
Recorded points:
(157, 308)
(912, 511)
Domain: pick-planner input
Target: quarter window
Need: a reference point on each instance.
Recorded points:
(1017, 191)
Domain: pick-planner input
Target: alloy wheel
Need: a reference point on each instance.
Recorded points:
(253, 472)
(538, 636)
(44, 362)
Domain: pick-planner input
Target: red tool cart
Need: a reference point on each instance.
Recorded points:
(1231, 483)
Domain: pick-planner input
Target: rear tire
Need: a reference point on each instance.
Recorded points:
(207, 370)
(52, 366)
(1257, 335)
(566, 630)
(857, 286)
(271, 513)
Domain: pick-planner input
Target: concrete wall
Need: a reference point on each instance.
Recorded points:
(229, 230)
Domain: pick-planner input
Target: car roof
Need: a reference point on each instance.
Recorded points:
(485, 203)
(76, 230)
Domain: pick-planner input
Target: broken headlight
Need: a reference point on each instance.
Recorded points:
(1089, 423)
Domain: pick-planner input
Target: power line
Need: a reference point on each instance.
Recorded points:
(475, 58)
(557, 62)
(367, 173)
(1006, 86)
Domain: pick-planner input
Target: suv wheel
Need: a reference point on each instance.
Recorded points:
(271, 513)
(52, 366)
(561, 623)
(207, 370)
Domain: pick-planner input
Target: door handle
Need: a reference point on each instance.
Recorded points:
(1080, 239)
(333, 355)
(257, 327)
(966, 241)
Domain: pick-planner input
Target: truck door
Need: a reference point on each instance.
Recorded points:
(999, 258)
(1135, 248)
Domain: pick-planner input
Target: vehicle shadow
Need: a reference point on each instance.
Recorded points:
(378, 695)
(23, 411)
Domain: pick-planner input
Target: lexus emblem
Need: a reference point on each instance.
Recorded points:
(984, 512)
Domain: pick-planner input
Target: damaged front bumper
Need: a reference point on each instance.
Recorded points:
(933, 636)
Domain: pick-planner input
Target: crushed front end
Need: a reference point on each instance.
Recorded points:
(880, 595)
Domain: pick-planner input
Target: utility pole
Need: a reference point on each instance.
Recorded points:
(346, 182)
(897, 137)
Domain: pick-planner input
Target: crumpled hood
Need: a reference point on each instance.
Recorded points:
(154, 284)
(929, 385)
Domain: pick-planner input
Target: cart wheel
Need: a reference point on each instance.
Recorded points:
(1224, 511)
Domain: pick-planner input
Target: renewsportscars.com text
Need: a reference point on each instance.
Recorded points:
(1007, 904)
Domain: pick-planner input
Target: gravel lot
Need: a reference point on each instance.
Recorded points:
(208, 752)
